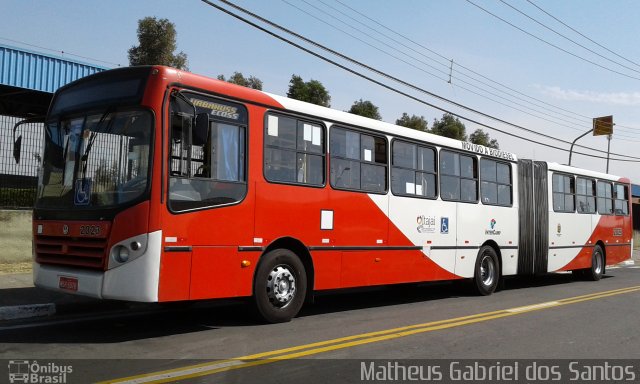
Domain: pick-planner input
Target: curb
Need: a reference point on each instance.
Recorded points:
(27, 311)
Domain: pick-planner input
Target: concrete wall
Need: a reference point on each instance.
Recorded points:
(15, 236)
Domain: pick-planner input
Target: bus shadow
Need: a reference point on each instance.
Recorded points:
(363, 298)
(152, 321)
(189, 318)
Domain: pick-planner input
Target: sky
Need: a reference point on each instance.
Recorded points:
(532, 77)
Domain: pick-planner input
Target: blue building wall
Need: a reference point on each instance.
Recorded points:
(35, 71)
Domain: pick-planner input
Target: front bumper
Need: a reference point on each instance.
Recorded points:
(136, 280)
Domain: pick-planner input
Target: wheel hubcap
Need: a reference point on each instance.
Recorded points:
(281, 286)
(487, 270)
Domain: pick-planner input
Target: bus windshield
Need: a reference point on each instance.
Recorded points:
(95, 160)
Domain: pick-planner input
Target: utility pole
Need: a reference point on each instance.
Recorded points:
(608, 150)
(601, 126)
(574, 142)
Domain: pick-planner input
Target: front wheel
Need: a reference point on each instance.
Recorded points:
(280, 286)
(487, 271)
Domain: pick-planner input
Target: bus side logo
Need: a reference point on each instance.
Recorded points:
(426, 224)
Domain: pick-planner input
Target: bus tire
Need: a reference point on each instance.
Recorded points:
(487, 271)
(280, 286)
(597, 265)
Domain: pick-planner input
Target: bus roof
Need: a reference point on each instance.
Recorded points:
(336, 117)
(585, 172)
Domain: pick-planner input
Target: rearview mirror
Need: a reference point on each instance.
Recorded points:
(17, 148)
(17, 143)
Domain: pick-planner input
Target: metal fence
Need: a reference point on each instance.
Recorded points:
(18, 181)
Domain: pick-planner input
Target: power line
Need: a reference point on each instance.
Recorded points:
(386, 75)
(565, 37)
(551, 44)
(372, 46)
(581, 34)
(457, 64)
(554, 121)
(59, 51)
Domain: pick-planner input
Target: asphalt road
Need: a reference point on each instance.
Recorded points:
(553, 317)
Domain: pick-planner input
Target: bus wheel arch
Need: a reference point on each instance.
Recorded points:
(488, 267)
(496, 249)
(283, 280)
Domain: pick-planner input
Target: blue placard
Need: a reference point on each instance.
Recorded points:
(444, 225)
(82, 193)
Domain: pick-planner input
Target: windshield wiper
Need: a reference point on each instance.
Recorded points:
(92, 139)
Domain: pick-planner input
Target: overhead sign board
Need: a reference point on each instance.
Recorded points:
(603, 125)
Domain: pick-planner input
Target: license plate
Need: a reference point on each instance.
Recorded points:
(68, 283)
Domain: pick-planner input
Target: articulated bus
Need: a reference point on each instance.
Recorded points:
(159, 185)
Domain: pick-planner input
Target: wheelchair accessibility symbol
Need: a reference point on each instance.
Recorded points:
(82, 193)
(444, 225)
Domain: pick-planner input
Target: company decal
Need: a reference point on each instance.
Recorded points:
(492, 228)
(487, 151)
(444, 225)
(219, 110)
(426, 224)
(617, 232)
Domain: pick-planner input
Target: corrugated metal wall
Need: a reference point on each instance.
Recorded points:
(30, 70)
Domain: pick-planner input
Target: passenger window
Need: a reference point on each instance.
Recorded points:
(208, 162)
(294, 151)
(605, 196)
(564, 190)
(585, 195)
(458, 177)
(622, 200)
(413, 170)
(495, 183)
(358, 161)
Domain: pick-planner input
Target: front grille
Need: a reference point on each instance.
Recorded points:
(73, 251)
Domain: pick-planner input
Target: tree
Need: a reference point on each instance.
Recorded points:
(482, 138)
(311, 91)
(157, 40)
(365, 108)
(239, 79)
(415, 122)
(449, 126)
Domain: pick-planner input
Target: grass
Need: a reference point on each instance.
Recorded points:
(15, 268)
(15, 237)
(12, 197)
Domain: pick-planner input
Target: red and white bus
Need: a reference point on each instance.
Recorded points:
(160, 185)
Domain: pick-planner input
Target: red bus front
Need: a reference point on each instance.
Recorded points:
(94, 232)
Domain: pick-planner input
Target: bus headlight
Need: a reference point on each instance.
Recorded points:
(127, 250)
(121, 254)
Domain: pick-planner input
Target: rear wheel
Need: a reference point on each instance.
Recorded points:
(280, 286)
(597, 265)
(487, 271)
